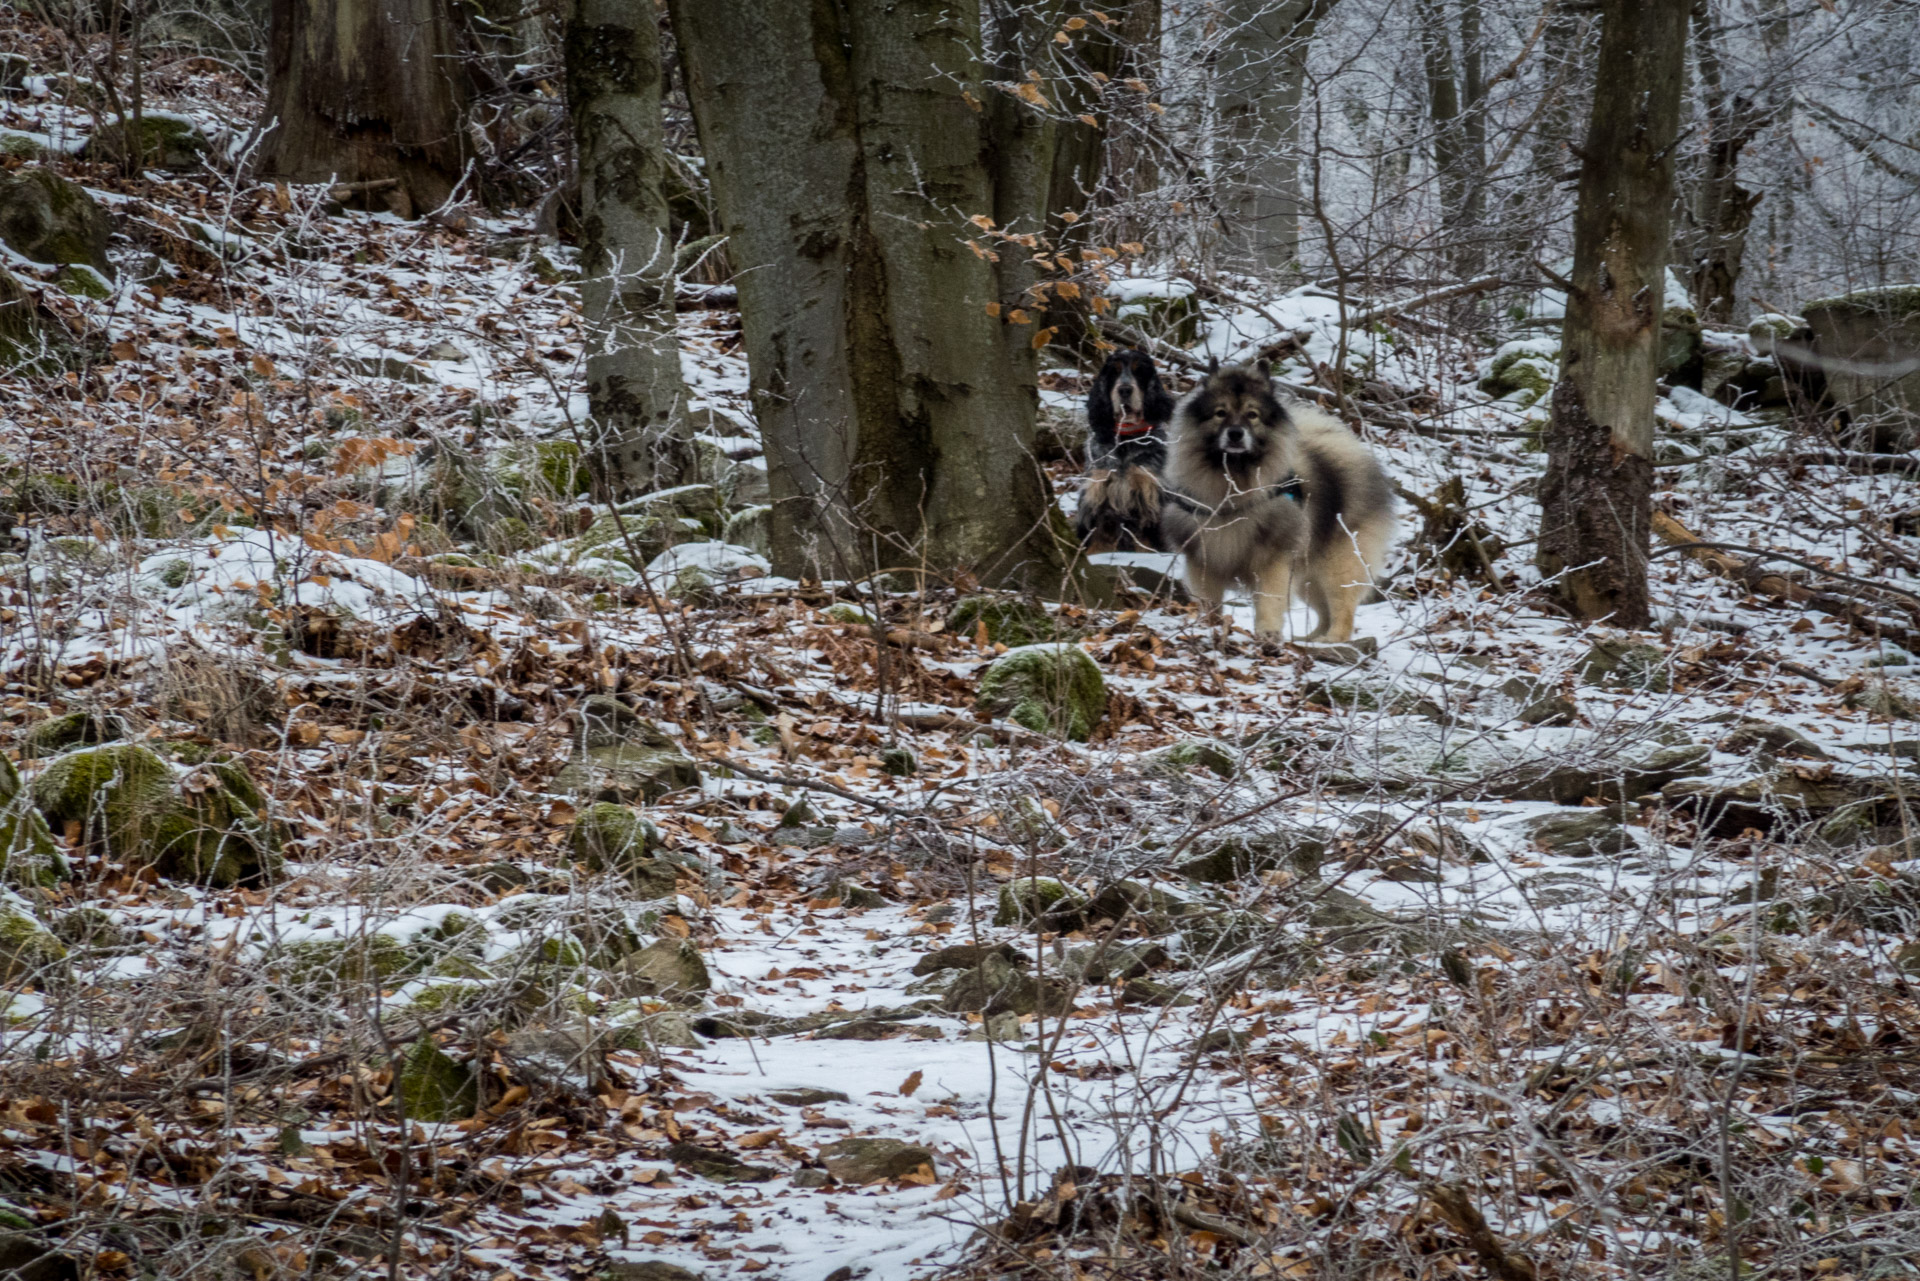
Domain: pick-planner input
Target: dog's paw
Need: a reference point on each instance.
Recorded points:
(1272, 644)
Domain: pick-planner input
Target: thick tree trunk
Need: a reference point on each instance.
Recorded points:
(640, 426)
(363, 90)
(1260, 83)
(1596, 498)
(849, 142)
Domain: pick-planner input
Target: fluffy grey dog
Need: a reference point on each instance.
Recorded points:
(1277, 497)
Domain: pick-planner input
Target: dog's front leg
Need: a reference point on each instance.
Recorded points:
(1208, 592)
(1272, 598)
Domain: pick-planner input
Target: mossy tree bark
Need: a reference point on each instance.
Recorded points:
(849, 143)
(640, 432)
(1261, 79)
(365, 90)
(1596, 498)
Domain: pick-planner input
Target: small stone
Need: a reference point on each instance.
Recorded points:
(1755, 737)
(806, 1096)
(1344, 654)
(898, 762)
(1153, 992)
(721, 1167)
(444, 350)
(862, 1161)
(1178, 758)
(811, 1178)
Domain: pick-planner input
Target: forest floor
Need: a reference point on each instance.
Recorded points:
(1501, 946)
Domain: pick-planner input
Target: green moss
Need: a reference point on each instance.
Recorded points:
(1050, 689)
(208, 825)
(51, 220)
(851, 615)
(1041, 902)
(1009, 620)
(29, 856)
(613, 837)
(57, 734)
(432, 1087)
(26, 946)
(82, 281)
(164, 143)
(898, 761)
(344, 963)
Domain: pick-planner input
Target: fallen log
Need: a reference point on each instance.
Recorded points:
(1745, 566)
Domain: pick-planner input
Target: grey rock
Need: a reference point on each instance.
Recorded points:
(1619, 663)
(807, 1096)
(1580, 834)
(861, 1161)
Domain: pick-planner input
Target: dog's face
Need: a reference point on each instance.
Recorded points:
(1236, 416)
(1131, 379)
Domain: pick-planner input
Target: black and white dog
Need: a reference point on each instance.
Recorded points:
(1127, 415)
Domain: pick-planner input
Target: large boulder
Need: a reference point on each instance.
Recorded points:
(50, 220)
(1872, 327)
(207, 824)
(1523, 371)
(1051, 689)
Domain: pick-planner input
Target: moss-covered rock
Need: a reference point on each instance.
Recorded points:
(1231, 857)
(48, 219)
(668, 969)
(898, 761)
(751, 528)
(1008, 621)
(627, 773)
(57, 734)
(997, 986)
(26, 946)
(346, 962)
(165, 141)
(1193, 753)
(1041, 903)
(614, 837)
(1050, 689)
(29, 340)
(207, 824)
(432, 1087)
(1579, 833)
(1524, 371)
(29, 856)
(859, 1161)
(1620, 663)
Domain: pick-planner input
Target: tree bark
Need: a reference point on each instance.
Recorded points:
(1596, 498)
(1455, 104)
(849, 143)
(640, 432)
(359, 90)
(1720, 211)
(1261, 80)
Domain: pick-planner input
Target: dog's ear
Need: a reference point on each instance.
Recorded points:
(1213, 364)
(1265, 367)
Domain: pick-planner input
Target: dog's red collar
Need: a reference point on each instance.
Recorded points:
(1133, 427)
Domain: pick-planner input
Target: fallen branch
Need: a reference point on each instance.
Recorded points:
(341, 192)
(1465, 1218)
(1720, 558)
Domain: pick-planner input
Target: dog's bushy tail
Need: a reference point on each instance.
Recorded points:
(1120, 511)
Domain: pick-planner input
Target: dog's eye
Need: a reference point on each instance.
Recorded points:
(1219, 413)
